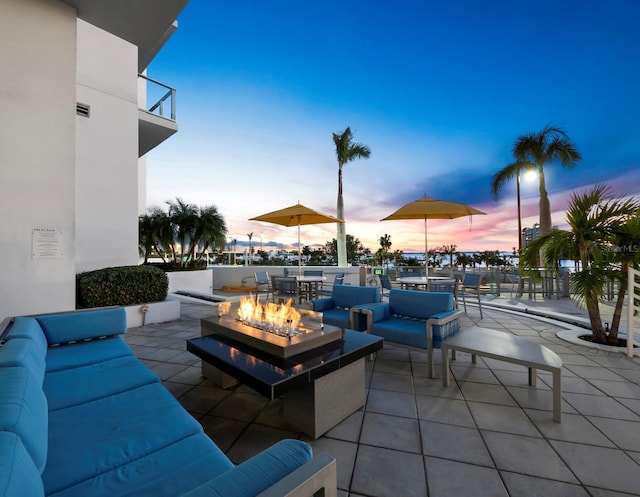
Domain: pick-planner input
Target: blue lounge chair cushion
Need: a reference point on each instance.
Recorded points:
(26, 353)
(85, 353)
(123, 373)
(76, 326)
(258, 473)
(92, 438)
(413, 303)
(23, 411)
(169, 472)
(18, 473)
(28, 328)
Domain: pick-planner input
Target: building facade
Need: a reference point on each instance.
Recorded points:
(72, 145)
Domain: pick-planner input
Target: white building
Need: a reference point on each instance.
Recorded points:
(73, 139)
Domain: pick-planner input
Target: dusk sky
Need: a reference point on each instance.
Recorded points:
(438, 90)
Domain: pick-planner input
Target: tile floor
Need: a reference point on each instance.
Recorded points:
(488, 434)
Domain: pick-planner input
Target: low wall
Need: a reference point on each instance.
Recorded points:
(157, 312)
(201, 281)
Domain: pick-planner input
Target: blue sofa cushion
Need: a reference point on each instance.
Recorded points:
(258, 473)
(82, 354)
(347, 296)
(419, 304)
(92, 438)
(23, 411)
(95, 381)
(26, 353)
(412, 332)
(28, 328)
(76, 326)
(19, 476)
(169, 472)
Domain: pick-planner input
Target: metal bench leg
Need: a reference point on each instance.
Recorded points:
(445, 367)
(532, 377)
(557, 396)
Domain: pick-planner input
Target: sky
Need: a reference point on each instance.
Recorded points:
(439, 91)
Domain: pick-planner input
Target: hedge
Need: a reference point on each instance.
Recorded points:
(124, 285)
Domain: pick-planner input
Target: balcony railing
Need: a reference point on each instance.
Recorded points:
(164, 97)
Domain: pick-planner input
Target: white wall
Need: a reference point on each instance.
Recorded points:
(37, 153)
(107, 151)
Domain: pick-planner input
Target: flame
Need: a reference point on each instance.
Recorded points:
(279, 316)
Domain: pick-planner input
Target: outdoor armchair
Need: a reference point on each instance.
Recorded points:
(341, 308)
(471, 288)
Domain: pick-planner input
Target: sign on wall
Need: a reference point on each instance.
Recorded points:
(47, 243)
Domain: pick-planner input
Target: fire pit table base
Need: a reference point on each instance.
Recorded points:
(327, 401)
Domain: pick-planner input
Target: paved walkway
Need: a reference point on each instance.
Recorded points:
(488, 434)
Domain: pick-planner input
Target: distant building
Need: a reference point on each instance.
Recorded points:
(531, 234)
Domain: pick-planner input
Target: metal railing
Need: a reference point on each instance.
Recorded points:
(158, 88)
(633, 307)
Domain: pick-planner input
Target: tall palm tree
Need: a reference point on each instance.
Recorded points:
(346, 151)
(210, 231)
(596, 224)
(533, 151)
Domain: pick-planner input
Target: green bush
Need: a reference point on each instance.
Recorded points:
(125, 285)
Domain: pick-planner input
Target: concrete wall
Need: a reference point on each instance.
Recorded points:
(37, 154)
(107, 151)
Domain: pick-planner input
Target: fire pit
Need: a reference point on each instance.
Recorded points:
(282, 330)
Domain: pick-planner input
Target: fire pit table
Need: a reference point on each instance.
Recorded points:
(321, 379)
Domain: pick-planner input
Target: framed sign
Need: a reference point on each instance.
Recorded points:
(47, 243)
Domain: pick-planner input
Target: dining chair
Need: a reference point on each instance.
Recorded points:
(385, 284)
(262, 279)
(326, 292)
(284, 288)
(446, 286)
(471, 287)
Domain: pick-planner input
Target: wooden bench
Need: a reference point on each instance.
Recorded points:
(509, 348)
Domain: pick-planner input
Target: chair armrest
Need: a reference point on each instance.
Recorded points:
(445, 317)
(376, 312)
(264, 471)
(322, 304)
(308, 480)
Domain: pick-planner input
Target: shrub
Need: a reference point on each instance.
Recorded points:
(125, 285)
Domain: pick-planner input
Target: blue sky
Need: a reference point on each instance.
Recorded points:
(438, 90)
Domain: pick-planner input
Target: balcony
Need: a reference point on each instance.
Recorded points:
(156, 121)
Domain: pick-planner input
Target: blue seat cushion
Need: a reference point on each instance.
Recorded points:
(168, 472)
(336, 317)
(347, 296)
(23, 411)
(75, 386)
(27, 353)
(19, 476)
(75, 326)
(28, 328)
(407, 331)
(92, 438)
(418, 304)
(258, 473)
(81, 354)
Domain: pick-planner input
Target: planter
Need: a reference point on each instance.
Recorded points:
(201, 281)
(158, 312)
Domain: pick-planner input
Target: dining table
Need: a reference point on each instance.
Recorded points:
(308, 286)
(417, 282)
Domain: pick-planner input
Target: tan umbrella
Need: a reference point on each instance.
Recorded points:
(296, 215)
(431, 208)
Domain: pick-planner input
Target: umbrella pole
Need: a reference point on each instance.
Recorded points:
(426, 253)
(299, 252)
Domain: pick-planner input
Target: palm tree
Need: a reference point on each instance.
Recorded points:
(596, 224)
(533, 151)
(346, 151)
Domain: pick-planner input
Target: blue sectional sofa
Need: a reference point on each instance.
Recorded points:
(81, 416)
(415, 318)
(340, 309)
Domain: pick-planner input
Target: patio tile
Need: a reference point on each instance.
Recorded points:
(391, 432)
(625, 434)
(272, 416)
(393, 354)
(177, 389)
(454, 442)
(633, 404)
(580, 385)
(393, 382)
(224, 432)
(202, 398)
(254, 439)
(395, 403)
(434, 388)
(599, 492)
(349, 429)
(535, 398)
(382, 472)
(527, 486)
(449, 411)
(595, 405)
(454, 479)
(505, 419)
(527, 455)
(191, 376)
(394, 367)
(620, 473)
(473, 372)
(240, 406)
(574, 428)
(618, 388)
(344, 454)
(484, 392)
(166, 370)
(593, 373)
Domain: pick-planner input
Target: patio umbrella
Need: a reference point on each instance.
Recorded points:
(296, 215)
(431, 208)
